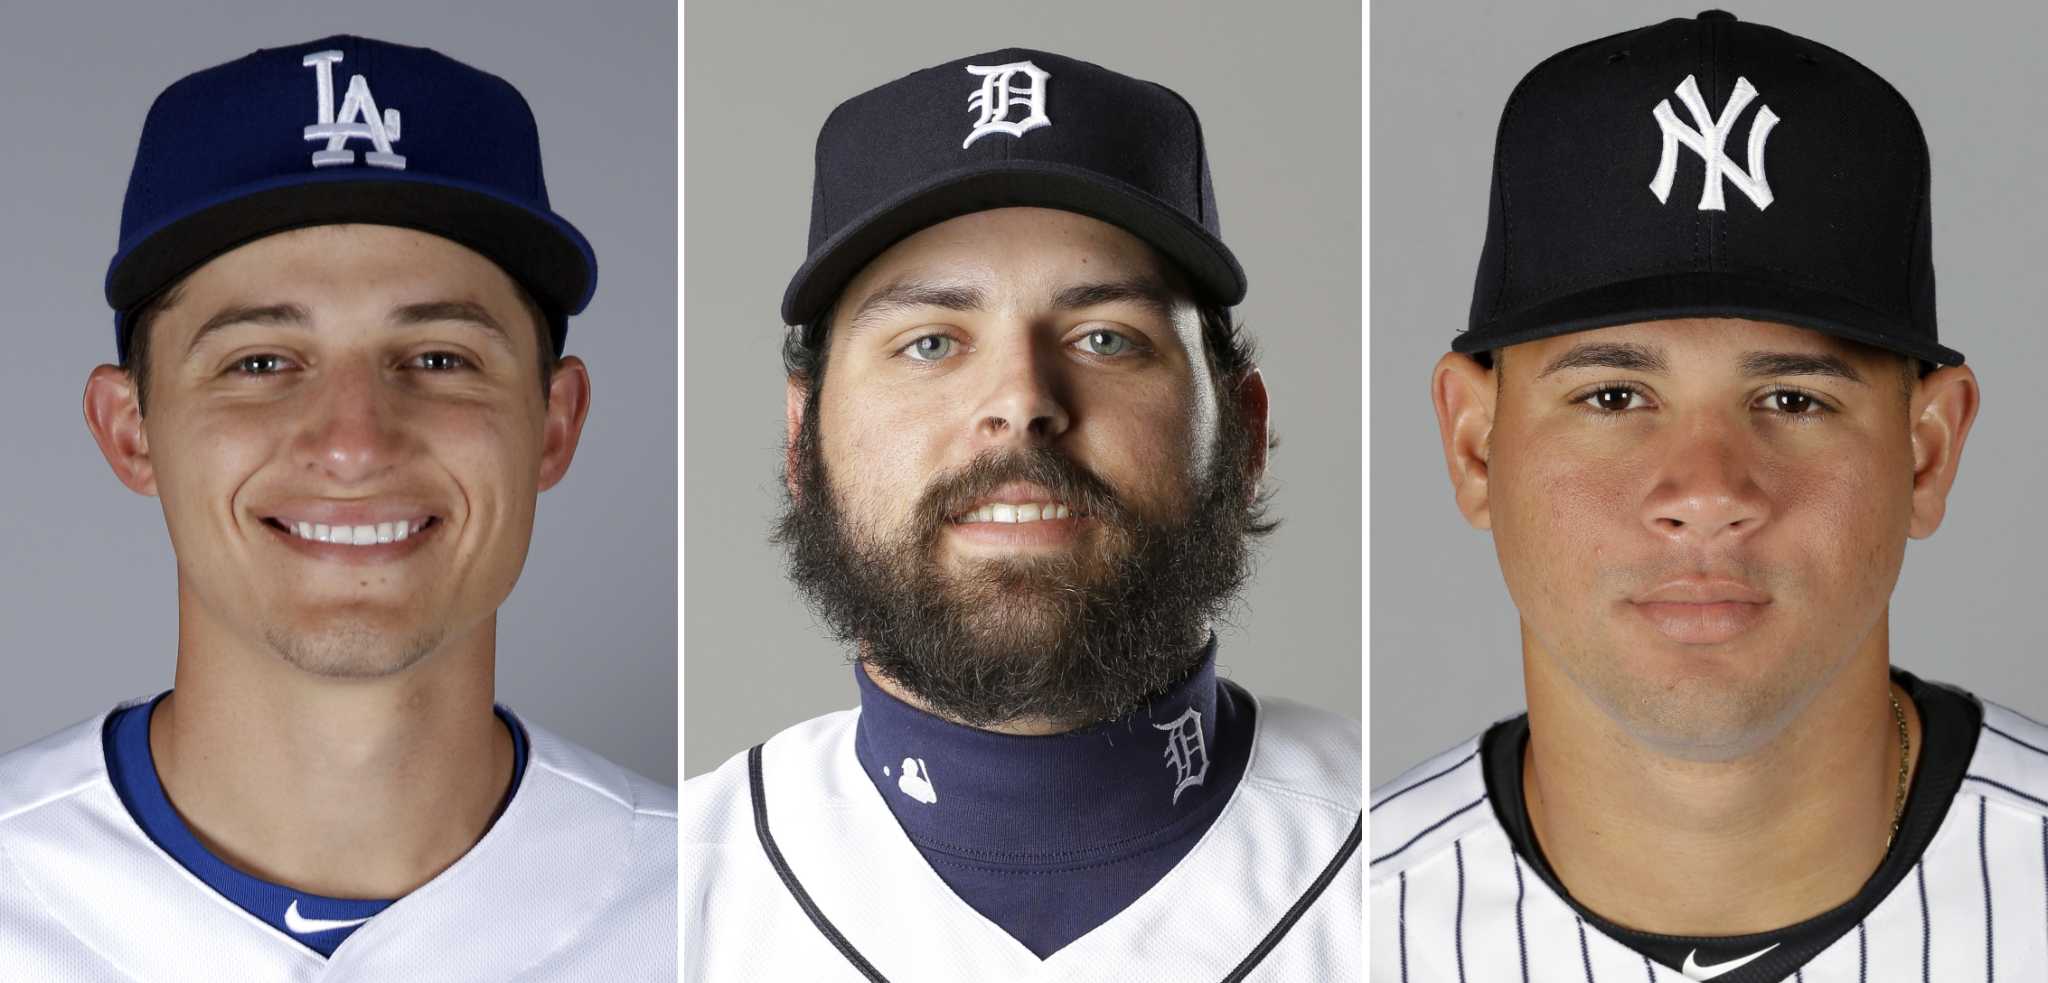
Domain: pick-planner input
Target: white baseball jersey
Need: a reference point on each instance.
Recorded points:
(1270, 893)
(575, 881)
(1453, 900)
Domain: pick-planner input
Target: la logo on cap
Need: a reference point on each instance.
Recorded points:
(1000, 93)
(356, 119)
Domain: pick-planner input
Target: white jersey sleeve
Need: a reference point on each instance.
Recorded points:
(575, 881)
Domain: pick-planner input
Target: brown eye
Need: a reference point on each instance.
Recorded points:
(1613, 400)
(441, 361)
(1793, 403)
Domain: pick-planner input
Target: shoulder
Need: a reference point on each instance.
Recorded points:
(1305, 751)
(53, 768)
(717, 806)
(2010, 765)
(1426, 808)
(608, 785)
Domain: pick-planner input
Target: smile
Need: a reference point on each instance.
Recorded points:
(365, 534)
(1016, 512)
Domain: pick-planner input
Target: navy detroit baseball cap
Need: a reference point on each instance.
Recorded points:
(343, 130)
(1708, 167)
(1013, 127)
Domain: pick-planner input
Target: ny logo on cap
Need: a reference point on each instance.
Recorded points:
(999, 92)
(357, 118)
(1709, 140)
(1185, 751)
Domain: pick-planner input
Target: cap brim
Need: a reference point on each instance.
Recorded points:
(1705, 295)
(1215, 273)
(536, 247)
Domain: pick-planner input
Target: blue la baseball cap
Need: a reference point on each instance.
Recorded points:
(343, 130)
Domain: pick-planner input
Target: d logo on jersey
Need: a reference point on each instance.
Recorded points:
(1709, 142)
(356, 119)
(1186, 753)
(1000, 94)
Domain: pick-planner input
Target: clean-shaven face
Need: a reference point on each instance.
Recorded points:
(1017, 487)
(1700, 520)
(347, 441)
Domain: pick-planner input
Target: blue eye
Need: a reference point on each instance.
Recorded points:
(1106, 343)
(259, 365)
(930, 348)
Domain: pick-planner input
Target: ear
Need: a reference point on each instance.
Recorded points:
(568, 406)
(1463, 392)
(795, 396)
(114, 416)
(1253, 406)
(1943, 407)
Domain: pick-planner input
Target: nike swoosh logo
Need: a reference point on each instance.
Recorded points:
(301, 925)
(1693, 970)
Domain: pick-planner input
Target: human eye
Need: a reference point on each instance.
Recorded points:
(1106, 343)
(262, 364)
(1612, 398)
(439, 361)
(1792, 402)
(929, 348)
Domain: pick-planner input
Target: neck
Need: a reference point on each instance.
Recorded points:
(351, 788)
(1676, 846)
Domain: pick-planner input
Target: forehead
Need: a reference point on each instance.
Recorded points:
(1703, 342)
(346, 264)
(1015, 254)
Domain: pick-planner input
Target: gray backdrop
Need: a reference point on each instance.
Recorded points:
(1445, 653)
(88, 610)
(1276, 85)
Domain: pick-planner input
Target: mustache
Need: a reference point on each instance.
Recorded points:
(1075, 484)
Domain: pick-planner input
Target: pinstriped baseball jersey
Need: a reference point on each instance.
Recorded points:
(1965, 896)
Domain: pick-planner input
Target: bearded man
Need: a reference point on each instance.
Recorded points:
(1025, 450)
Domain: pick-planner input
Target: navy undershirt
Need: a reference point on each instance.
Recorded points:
(1048, 837)
(132, 769)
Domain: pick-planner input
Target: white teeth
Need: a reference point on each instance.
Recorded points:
(354, 535)
(1013, 513)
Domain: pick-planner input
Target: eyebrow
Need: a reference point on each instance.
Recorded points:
(276, 314)
(1756, 364)
(1609, 355)
(293, 315)
(908, 294)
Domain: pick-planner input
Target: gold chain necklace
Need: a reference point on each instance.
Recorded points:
(1899, 801)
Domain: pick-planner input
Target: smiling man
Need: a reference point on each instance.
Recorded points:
(340, 298)
(1702, 407)
(1025, 446)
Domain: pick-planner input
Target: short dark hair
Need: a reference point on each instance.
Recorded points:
(135, 360)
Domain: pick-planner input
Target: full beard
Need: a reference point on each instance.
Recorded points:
(1071, 639)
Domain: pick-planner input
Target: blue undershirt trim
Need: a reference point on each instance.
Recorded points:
(132, 768)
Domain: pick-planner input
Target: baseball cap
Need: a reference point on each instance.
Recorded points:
(1013, 127)
(1708, 167)
(343, 130)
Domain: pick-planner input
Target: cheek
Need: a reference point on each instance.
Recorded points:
(1558, 507)
(880, 447)
(202, 459)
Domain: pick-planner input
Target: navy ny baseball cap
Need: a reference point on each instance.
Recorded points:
(343, 130)
(1708, 167)
(1014, 127)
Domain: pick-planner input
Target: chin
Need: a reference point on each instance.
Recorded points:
(354, 649)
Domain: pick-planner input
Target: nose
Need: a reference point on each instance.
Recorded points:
(1706, 490)
(1023, 404)
(350, 432)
